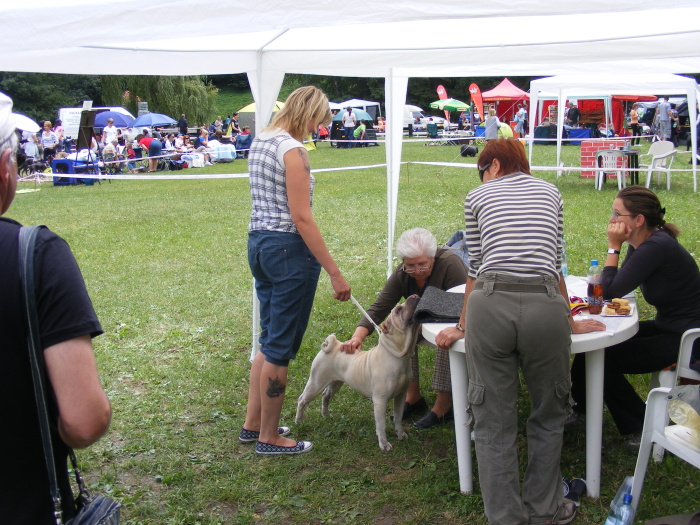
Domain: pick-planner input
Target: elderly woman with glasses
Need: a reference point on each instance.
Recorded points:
(669, 279)
(423, 264)
(517, 316)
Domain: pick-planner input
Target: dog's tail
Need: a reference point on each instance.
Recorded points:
(330, 342)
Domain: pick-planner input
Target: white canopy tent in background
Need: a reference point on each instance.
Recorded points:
(269, 38)
(561, 87)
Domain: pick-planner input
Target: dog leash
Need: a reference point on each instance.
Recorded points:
(359, 306)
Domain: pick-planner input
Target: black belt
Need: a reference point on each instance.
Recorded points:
(513, 287)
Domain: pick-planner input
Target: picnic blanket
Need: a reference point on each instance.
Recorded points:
(439, 306)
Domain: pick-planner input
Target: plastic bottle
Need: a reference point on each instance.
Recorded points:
(624, 514)
(564, 259)
(625, 488)
(595, 289)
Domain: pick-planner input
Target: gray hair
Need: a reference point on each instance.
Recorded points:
(10, 142)
(416, 242)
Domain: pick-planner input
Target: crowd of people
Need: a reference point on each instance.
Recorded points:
(515, 317)
(124, 146)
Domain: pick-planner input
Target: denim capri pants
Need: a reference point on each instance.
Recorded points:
(286, 275)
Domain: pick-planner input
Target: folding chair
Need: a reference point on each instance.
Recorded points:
(432, 131)
(243, 143)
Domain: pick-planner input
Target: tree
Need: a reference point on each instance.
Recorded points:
(40, 95)
(169, 95)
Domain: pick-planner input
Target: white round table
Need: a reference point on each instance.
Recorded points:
(593, 344)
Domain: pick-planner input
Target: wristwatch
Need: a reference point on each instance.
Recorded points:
(613, 251)
(459, 327)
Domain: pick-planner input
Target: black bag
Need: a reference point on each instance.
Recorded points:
(92, 510)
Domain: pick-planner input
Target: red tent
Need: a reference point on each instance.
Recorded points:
(506, 92)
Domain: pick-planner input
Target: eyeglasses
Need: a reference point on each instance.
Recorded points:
(482, 170)
(616, 215)
(420, 269)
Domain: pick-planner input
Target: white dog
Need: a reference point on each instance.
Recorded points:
(381, 374)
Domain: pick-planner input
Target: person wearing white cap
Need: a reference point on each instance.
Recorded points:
(79, 410)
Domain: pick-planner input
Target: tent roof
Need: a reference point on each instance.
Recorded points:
(358, 103)
(612, 84)
(105, 37)
(506, 90)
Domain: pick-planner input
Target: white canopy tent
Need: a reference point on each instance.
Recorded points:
(269, 38)
(562, 87)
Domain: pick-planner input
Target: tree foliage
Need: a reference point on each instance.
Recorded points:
(193, 96)
(40, 95)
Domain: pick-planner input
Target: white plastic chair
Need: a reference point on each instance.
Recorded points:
(669, 378)
(661, 156)
(611, 160)
(674, 438)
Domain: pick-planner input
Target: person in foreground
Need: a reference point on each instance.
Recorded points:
(517, 316)
(424, 264)
(669, 279)
(286, 252)
(79, 411)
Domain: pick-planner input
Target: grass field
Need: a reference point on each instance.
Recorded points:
(165, 263)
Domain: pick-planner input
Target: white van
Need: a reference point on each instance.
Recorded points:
(410, 113)
(70, 119)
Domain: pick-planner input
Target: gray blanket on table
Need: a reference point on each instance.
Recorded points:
(439, 306)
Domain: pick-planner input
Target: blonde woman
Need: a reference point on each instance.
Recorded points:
(285, 252)
(48, 140)
(491, 125)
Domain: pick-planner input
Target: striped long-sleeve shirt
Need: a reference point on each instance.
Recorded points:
(514, 224)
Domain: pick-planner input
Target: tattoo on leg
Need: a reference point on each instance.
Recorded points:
(275, 388)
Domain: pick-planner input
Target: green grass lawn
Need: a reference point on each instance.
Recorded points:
(165, 263)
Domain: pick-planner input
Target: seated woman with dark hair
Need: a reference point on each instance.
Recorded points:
(669, 280)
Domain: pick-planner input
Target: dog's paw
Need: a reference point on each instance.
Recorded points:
(386, 447)
(401, 435)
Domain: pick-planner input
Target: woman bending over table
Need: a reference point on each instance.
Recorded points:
(517, 316)
(669, 279)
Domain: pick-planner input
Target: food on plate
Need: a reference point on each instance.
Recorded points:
(616, 304)
(617, 307)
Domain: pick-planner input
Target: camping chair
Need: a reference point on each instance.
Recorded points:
(109, 160)
(611, 160)
(243, 143)
(662, 154)
(656, 431)
(432, 131)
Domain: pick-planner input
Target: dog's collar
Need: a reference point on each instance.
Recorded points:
(359, 306)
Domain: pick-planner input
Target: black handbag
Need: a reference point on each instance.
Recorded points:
(92, 509)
